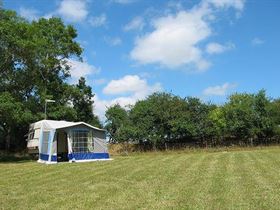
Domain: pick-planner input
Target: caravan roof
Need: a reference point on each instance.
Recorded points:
(54, 124)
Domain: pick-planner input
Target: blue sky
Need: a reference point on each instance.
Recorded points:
(206, 48)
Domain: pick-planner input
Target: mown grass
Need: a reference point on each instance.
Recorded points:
(173, 180)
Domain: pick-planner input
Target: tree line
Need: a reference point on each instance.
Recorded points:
(34, 67)
(163, 120)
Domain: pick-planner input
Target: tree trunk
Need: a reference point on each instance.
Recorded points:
(154, 146)
(8, 140)
(251, 141)
(165, 144)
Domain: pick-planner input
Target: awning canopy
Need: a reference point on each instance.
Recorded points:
(54, 124)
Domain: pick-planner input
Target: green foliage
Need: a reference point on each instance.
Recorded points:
(239, 114)
(83, 103)
(12, 111)
(117, 124)
(217, 124)
(150, 117)
(160, 119)
(163, 118)
(248, 116)
(12, 114)
(34, 55)
(34, 67)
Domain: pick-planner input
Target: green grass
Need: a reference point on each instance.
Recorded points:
(173, 180)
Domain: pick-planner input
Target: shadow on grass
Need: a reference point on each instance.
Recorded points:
(14, 158)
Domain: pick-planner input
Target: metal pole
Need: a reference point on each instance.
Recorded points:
(45, 110)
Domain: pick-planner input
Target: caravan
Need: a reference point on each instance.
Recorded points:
(57, 141)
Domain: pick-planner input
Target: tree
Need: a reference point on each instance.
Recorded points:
(216, 129)
(248, 117)
(163, 118)
(12, 114)
(240, 116)
(34, 67)
(160, 119)
(150, 117)
(117, 124)
(264, 117)
(274, 108)
(35, 55)
(189, 119)
(83, 103)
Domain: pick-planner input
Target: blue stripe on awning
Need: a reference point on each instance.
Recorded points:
(46, 157)
(87, 156)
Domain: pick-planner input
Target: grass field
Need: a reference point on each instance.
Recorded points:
(174, 180)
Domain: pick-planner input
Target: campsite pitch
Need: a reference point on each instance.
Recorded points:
(174, 180)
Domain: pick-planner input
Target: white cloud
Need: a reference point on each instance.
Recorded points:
(257, 41)
(29, 13)
(100, 107)
(128, 84)
(73, 10)
(219, 90)
(113, 41)
(225, 4)
(98, 21)
(133, 86)
(176, 38)
(136, 23)
(216, 48)
(173, 43)
(81, 69)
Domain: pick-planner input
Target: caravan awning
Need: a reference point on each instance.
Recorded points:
(53, 124)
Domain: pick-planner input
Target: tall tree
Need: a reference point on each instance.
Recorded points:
(83, 103)
(34, 66)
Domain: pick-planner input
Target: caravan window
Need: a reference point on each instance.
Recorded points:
(31, 134)
(82, 141)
